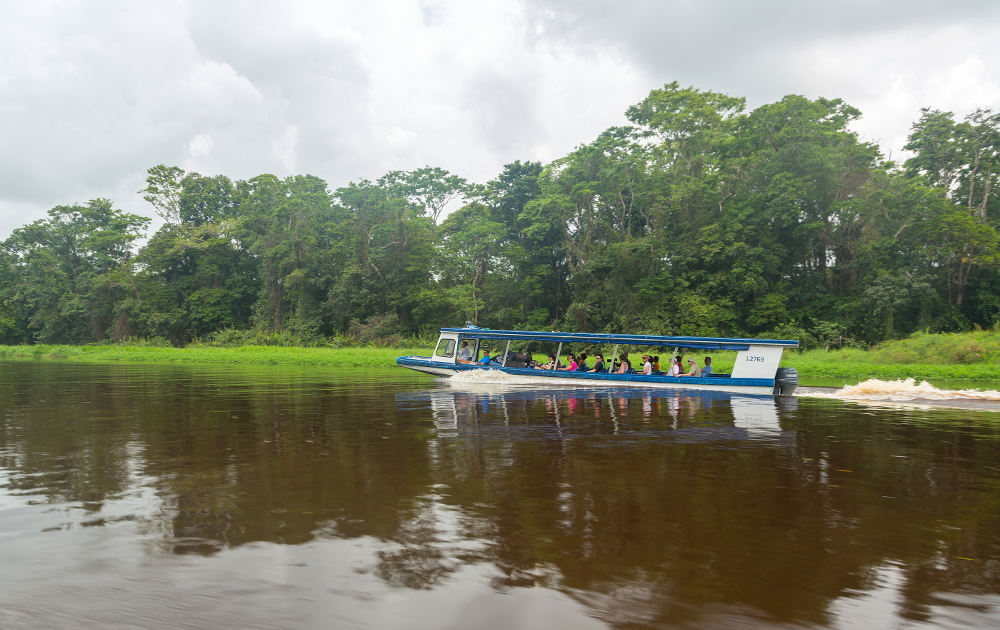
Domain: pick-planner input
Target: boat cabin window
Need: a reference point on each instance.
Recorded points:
(445, 348)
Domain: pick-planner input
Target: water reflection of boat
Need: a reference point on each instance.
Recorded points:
(687, 415)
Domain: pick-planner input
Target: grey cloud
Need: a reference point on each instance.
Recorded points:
(741, 44)
(92, 94)
(316, 85)
(504, 109)
(726, 28)
(98, 96)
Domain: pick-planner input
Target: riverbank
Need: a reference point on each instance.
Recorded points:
(244, 355)
(968, 357)
(948, 356)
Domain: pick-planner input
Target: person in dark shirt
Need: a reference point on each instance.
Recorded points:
(598, 364)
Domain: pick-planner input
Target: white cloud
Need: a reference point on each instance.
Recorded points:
(200, 146)
(94, 93)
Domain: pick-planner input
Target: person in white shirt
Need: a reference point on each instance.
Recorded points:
(465, 354)
(647, 365)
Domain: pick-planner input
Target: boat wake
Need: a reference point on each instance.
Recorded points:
(490, 377)
(908, 390)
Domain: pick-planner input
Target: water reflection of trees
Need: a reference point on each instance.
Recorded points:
(72, 452)
(650, 507)
(816, 509)
(228, 463)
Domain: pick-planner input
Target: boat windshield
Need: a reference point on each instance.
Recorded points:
(445, 348)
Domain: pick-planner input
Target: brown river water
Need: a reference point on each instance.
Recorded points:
(192, 497)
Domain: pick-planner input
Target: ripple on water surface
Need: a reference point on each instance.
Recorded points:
(192, 497)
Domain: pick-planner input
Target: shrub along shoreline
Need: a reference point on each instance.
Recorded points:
(953, 356)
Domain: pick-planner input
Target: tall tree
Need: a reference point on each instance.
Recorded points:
(470, 256)
(291, 227)
(520, 299)
(430, 188)
(390, 241)
(60, 262)
(195, 276)
(962, 158)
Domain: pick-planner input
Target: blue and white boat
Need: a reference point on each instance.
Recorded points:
(756, 371)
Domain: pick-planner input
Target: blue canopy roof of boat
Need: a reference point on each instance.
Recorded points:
(705, 343)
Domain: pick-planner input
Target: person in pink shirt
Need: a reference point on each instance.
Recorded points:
(572, 363)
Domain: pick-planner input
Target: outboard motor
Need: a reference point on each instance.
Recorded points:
(785, 381)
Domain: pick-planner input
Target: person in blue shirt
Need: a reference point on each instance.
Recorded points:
(707, 370)
(486, 358)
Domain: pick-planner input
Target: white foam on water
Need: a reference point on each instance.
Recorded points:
(906, 390)
(492, 377)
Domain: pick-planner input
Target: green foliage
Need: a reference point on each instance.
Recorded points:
(369, 356)
(981, 346)
(959, 158)
(376, 330)
(235, 338)
(145, 342)
(54, 271)
(429, 188)
(957, 356)
(697, 218)
(973, 356)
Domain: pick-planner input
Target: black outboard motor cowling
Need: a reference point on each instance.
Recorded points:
(785, 381)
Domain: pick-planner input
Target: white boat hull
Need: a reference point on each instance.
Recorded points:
(752, 386)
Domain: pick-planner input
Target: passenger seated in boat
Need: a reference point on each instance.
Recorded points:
(572, 364)
(486, 358)
(647, 365)
(465, 354)
(598, 364)
(675, 366)
(656, 363)
(693, 369)
(624, 367)
(550, 365)
(581, 362)
(707, 370)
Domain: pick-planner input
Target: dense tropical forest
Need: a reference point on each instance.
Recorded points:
(699, 218)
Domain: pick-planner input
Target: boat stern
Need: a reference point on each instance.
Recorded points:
(786, 381)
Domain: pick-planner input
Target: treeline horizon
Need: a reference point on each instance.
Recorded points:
(698, 218)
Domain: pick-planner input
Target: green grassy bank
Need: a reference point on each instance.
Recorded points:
(964, 356)
(245, 355)
(950, 356)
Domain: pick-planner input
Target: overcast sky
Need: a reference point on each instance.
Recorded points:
(93, 93)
